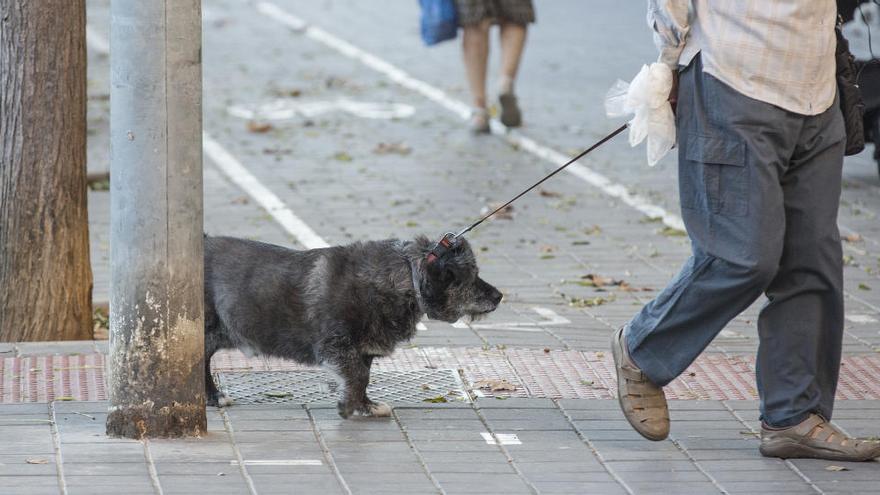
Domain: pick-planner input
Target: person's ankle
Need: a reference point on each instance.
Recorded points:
(505, 85)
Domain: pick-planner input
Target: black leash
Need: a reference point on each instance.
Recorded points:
(448, 240)
(536, 184)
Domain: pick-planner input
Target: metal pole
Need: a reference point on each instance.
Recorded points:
(157, 383)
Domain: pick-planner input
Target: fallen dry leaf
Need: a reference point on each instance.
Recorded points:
(549, 194)
(258, 127)
(387, 148)
(853, 238)
(36, 460)
(495, 385)
(505, 213)
(836, 468)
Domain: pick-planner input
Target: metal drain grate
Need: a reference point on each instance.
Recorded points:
(308, 386)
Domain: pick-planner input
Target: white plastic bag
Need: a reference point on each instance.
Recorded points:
(647, 99)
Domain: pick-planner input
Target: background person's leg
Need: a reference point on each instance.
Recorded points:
(801, 327)
(475, 48)
(732, 150)
(513, 41)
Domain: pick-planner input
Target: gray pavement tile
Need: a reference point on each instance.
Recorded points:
(20, 467)
(456, 446)
(408, 415)
(171, 450)
(564, 487)
(79, 469)
(272, 425)
(18, 484)
(646, 465)
(513, 425)
(102, 452)
(731, 454)
(201, 468)
(136, 481)
(691, 443)
(248, 412)
(24, 410)
(514, 486)
(35, 446)
(46, 348)
(385, 465)
(291, 479)
(682, 476)
(589, 476)
(757, 464)
(418, 436)
(7, 349)
(575, 464)
(278, 450)
(83, 406)
(441, 425)
(104, 490)
(350, 459)
(362, 436)
(723, 476)
(199, 483)
(515, 403)
(499, 466)
(747, 487)
(297, 437)
(493, 414)
(684, 488)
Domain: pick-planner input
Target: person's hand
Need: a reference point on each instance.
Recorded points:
(673, 93)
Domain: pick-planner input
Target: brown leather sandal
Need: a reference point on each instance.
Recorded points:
(816, 438)
(643, 403)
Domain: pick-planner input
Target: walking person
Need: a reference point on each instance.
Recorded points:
(476, 17)
(761, 143)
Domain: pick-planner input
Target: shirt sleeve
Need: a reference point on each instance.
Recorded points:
(669, 20)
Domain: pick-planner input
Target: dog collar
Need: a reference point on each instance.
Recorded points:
(446, 243)
(416, 287)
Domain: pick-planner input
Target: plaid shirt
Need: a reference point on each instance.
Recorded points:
(777, 51)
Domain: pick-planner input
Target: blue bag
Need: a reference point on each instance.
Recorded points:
(439, 21)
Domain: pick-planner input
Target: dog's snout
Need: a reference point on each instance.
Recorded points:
(495, 296)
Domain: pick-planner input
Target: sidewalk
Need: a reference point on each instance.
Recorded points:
(529, 393)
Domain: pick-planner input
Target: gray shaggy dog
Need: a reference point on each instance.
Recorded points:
(338, 307)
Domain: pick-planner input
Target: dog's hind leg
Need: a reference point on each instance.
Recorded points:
(354, 369)
(213, 396)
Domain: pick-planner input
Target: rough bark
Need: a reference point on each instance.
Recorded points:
(45, 273)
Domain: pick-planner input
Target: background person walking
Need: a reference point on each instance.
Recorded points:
(476, 17)
(761, 142)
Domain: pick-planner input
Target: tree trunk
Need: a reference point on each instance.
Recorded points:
(45, 273)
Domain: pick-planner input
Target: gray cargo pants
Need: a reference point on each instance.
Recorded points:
(759, 188)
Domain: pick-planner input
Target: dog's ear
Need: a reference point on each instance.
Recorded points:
(442, 271)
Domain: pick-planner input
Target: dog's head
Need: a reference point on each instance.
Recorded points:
(451, 287)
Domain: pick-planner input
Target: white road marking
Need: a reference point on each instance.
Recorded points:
(459, 324)
(421, 327)
(280, 462)
(861, 318)
(502, 438)
(461, 109)
(286, 109)
(237, 173)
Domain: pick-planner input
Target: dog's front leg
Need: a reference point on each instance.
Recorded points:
(354, 369)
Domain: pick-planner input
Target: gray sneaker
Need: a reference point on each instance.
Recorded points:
(816, 438)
